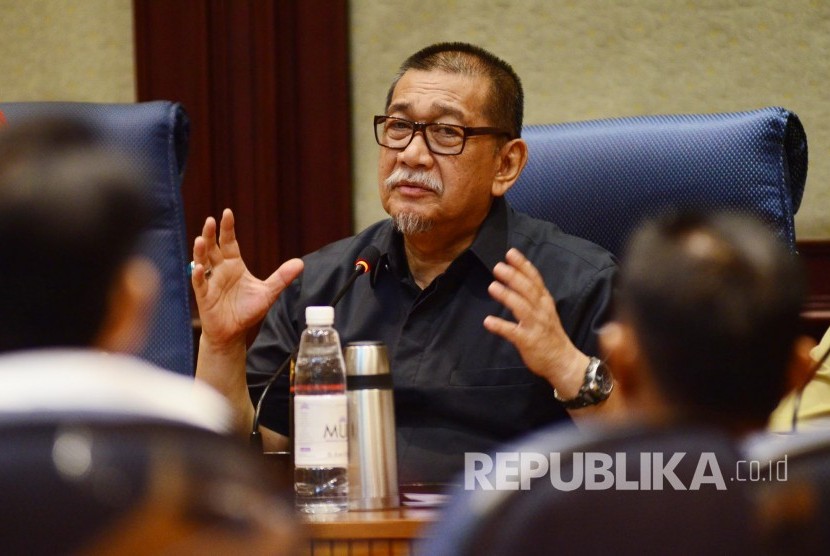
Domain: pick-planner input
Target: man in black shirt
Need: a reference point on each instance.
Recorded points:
(450, 149)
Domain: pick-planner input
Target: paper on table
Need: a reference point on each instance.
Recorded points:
(424, 500)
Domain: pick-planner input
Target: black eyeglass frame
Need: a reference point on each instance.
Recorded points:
(421, 126)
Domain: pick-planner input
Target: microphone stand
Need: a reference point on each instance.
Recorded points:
(366, 260)
(255, 440)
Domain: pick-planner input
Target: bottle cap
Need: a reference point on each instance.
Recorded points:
(319, 316)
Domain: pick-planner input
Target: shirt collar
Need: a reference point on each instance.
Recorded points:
(490, 243)
(390, 244)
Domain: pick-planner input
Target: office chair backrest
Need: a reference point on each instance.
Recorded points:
(599, 179)
(135, 486)
(103, 453)
(156, 134)
(790, 479)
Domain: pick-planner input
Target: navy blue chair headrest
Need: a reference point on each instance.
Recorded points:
(600, 179)
(156, 134)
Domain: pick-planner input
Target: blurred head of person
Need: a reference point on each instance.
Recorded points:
(71, 213)
(708, 320)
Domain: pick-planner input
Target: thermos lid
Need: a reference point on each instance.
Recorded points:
(366, 358)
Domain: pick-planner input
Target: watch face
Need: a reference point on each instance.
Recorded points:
(604, 380)
(596, 388)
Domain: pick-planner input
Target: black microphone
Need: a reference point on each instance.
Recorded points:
(366, 261)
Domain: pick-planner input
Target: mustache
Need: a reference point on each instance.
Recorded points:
(420, 178)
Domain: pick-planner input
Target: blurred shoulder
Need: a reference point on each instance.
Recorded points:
(50, 383)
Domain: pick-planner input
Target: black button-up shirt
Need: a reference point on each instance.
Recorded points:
(457, 387)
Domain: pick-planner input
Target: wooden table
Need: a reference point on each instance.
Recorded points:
(375, 533)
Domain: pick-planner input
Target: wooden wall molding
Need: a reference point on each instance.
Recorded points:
(816, 257)
(266, 86)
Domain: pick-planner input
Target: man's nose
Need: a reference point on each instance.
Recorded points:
(416, 152)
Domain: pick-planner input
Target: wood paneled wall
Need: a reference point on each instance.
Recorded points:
(816, 257)
(266, 86)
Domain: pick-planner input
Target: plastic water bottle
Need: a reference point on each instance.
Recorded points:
(321, 438)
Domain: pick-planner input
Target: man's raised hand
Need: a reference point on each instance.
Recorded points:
(230, 299)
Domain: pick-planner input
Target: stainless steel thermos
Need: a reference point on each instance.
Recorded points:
(373, 464)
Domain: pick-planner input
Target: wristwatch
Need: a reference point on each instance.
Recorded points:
(595, 388)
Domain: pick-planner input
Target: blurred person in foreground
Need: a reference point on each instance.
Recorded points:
(704, 346)
(101, 452)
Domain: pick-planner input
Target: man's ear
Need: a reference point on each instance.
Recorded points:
(512, 160)
(129, 307)
(802, 367)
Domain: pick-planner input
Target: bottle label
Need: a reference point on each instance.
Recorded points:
(321, 433)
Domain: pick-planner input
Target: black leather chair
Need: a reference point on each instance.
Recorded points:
(789, 476)
(156, 134)
(599, 179)
(116, 484)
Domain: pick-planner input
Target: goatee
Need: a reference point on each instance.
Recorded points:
(409, 223)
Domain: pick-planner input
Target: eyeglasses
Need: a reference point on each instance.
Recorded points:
(397, 133)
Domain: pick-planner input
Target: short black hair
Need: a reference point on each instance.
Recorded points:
(71, 213)
(715, 300)
(505, 108)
